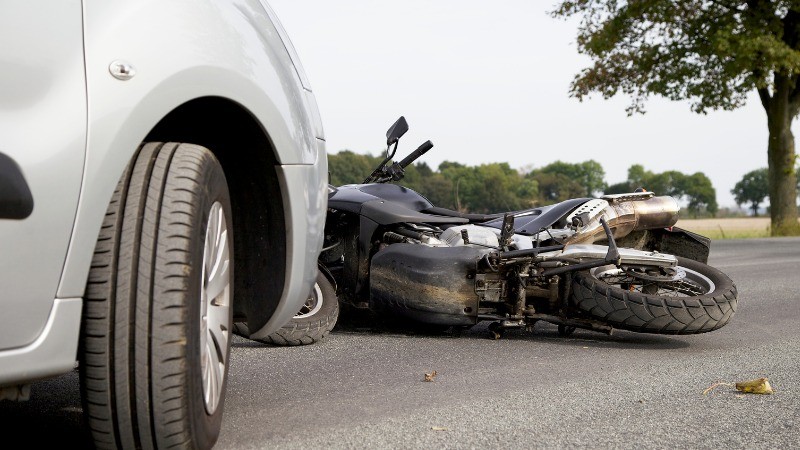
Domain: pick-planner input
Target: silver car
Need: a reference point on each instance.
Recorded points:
(162, 171)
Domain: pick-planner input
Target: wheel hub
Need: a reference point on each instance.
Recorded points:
(215, 307)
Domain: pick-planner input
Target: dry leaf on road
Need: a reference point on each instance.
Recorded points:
(757, 386)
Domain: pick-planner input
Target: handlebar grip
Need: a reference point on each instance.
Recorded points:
(427, 145)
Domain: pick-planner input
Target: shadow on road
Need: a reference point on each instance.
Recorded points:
(542, 333)
(52, 418)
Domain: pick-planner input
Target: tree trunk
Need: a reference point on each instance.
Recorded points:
(782, 180)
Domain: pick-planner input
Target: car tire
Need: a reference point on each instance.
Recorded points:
(155, 338)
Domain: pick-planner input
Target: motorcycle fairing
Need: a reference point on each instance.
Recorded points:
(404, 196)
(386, 204)
(674, 241)
(389, 203)
(386, 212)
(351, 197)
(531, 221)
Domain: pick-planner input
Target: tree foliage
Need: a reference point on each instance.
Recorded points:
(700, 193)
(487, 188)
(347, 167)
(752, 188)
(696, 189)
(709, 52)
(496, 187)
(570, 180)
(712, 53)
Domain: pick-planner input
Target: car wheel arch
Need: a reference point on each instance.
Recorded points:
(249, 161)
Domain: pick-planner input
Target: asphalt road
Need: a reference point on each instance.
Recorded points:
(364, 388)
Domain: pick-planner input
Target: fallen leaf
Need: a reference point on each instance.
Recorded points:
(430, 376)
(757, 386)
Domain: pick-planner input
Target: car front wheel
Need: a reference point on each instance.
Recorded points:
(155, 340)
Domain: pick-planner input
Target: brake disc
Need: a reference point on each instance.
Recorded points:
(670, 274)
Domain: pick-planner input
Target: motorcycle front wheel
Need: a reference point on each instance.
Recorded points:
(315, 319)
(697, 298)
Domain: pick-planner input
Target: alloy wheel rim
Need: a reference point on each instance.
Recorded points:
(215, 307)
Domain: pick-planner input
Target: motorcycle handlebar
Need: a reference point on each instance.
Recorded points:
(427, 145)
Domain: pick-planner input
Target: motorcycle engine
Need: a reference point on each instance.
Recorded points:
(462, 235)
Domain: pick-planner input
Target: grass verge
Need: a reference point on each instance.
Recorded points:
(730, 228)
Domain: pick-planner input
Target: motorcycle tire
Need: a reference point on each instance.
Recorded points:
(705, 300)
(315, 319)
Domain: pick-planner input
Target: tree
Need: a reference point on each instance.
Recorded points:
(665, 183)
(699, 192)
(752, 188)
(556, 187)
(588, 174)
(711, 52)
(619, 188)
(488, 188)
(347, 167)
(696, 189)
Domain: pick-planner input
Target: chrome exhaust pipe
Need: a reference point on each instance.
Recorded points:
(627, 216)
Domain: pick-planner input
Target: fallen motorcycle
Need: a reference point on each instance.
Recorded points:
(591, 263)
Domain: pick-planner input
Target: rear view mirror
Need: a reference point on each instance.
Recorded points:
(396, 131)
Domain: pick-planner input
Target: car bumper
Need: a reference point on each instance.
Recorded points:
(52, 353)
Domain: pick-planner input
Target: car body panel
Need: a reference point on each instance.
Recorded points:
(43, 129)
(180, 51)
(53, 351)
(248, 64)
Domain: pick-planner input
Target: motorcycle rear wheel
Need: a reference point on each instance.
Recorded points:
(704, 300)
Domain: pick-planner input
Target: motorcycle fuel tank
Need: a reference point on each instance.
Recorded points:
(350, 197)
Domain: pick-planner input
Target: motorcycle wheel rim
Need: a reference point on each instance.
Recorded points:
(313, 303)
(693, 284)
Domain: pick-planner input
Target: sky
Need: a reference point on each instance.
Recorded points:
(489, 82)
